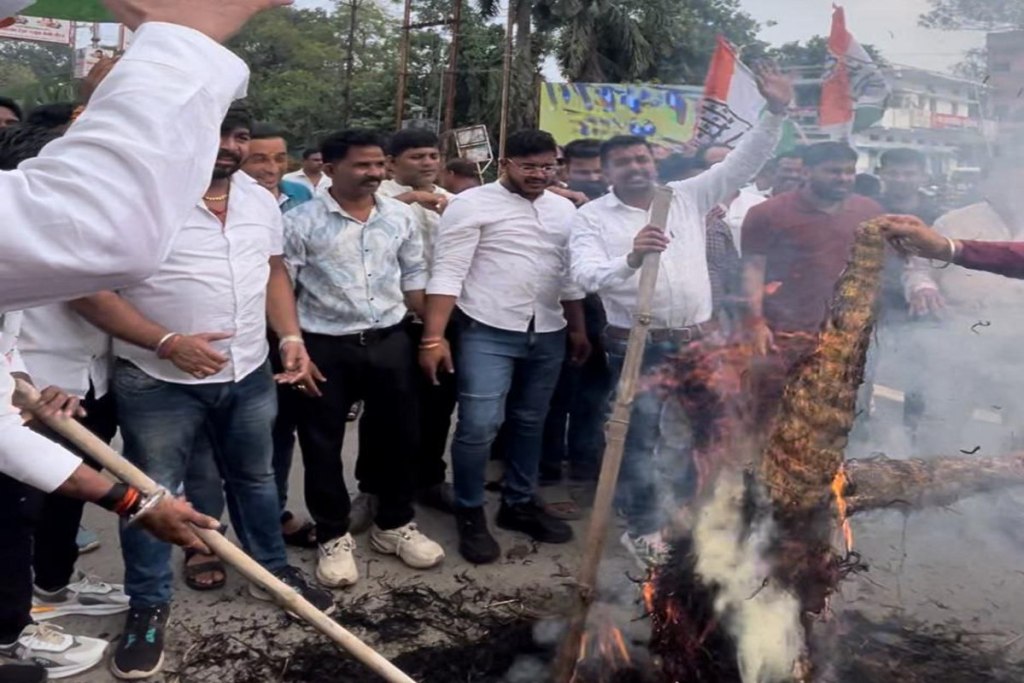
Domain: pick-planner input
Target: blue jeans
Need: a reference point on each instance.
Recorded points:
(493, 367)
(656, 465)
(160, 422)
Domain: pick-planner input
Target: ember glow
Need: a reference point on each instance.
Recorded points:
(838, 490)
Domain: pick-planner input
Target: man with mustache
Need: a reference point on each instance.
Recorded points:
(357, 259)
(193, 356)
(610, 238)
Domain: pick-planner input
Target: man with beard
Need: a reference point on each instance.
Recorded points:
(502, 260)
(789, 172)
(357, 258)
(610, 238)
(192, 355)
(795, 246)
(583, 170)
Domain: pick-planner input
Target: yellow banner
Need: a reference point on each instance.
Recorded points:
(665, 115)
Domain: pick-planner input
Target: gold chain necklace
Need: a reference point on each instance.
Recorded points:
(216, 199)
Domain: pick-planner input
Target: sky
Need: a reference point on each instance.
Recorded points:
(890, 25)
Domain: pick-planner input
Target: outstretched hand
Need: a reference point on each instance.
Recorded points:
(775, 86)
(219, 20)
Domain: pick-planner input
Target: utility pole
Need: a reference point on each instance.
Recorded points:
(453, 65)
(403, 66)
(346, 113)
(506, 77)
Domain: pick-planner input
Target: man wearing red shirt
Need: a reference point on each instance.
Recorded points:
(795, 246)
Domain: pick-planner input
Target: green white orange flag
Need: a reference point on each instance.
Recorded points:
(854, 90)
(732, 103)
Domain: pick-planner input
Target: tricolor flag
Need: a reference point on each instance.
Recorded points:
(854, 91)
(732, 103)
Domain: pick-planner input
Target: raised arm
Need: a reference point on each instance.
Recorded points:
(755, 149)
(97, 208)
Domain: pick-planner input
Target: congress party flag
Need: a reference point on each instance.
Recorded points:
(854, 90)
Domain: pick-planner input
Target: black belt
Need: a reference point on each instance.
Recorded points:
(682, 335)
(367, 337)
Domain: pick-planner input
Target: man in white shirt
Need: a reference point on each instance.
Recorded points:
(311, 175)
(192, 355)
(501, 258)
(79, 230)
(357, 259)
(414, 160)
(610, 238)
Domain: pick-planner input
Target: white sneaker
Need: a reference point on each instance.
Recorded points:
(87, 596)
(60, 654)
(649, 550)
(411, 546)
(336, 565)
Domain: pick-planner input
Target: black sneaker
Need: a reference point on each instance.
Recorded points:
(22, 673)
(320, 598)
(140, 654)
(475, 541)
(440, 497)
(531, 519)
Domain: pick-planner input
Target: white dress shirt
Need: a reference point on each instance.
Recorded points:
(98, 208)
(63, 349)
(300, 177)
(603, 232)
(736, 213)
(428, 220)
(214, 280)
(506, 258)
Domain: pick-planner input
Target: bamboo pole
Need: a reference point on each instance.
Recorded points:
(451, 78)
(27, 396)
(618, 426)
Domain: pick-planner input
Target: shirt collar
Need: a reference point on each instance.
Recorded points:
(379, 207)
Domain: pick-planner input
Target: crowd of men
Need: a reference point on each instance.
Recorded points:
(377, 275)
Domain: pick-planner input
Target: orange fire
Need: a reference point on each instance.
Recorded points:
(838, 490)
(647, 591)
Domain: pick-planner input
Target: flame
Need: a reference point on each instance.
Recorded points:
(647, 591)
(838, 489)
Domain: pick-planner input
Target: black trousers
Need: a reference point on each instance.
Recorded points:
(380, 370)
(37, 531)
(437, 404)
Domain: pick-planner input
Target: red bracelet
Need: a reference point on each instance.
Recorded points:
(128, 503)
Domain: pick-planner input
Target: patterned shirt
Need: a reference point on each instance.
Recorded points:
(351, 275)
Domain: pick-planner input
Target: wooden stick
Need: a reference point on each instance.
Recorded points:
(618, 426)
(27, 396)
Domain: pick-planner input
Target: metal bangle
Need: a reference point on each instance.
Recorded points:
(148, 504)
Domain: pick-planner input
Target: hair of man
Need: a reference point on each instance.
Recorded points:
(826, 152)
(529, 142)
(902, 156)
(335, 147)
(407, 139)
(620, 142)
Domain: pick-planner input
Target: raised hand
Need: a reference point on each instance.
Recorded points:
(219, 20)
(775, 86)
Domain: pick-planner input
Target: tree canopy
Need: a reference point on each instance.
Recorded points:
(985, 15)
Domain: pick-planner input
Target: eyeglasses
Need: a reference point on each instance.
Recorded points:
(534, 169)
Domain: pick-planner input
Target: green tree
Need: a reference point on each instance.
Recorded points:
(985, 15)
(35, 73)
